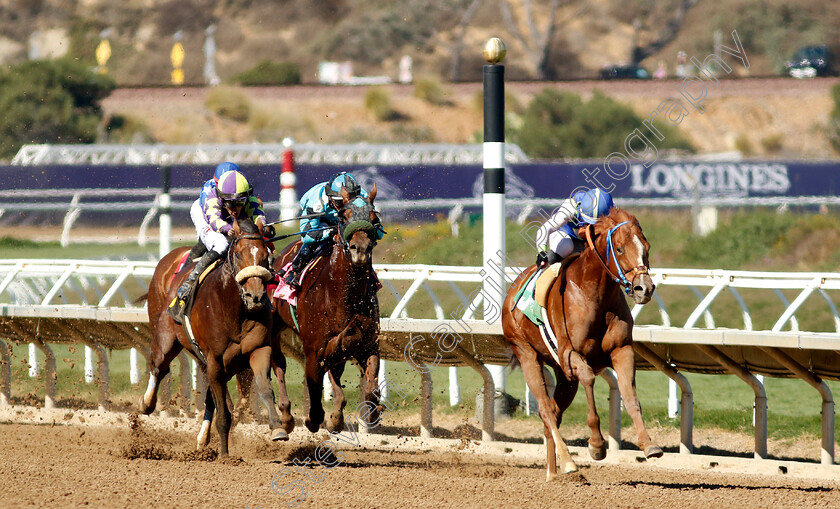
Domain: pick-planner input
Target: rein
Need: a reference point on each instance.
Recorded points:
(623, 278)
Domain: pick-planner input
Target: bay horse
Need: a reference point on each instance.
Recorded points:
(587, 310)
(231, 323)
(337, 313)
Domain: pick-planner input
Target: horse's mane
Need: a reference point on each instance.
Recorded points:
(616, 216)
(247, 225)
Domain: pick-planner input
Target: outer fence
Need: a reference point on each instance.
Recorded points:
(431, 322)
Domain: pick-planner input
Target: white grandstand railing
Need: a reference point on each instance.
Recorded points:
(258, 153)
(424, 298)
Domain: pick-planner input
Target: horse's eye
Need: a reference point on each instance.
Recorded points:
(619, 251)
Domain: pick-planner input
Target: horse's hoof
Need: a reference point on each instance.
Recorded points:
(288, 426)
(550, 476)
(279, 435)
(144, 408)
(311, 426)
(653, 451)
(598, 453)
(570, 467)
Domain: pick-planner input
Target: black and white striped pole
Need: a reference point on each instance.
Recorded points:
(494, 189)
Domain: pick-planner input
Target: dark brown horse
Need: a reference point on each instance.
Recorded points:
(231, 323)
(588, 312)
(337, 313)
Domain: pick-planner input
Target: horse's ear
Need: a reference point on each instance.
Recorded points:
(236, 229)
(372, 194)
(345, 195)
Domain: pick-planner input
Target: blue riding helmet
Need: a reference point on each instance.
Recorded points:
(345, 180)
(224, 168)
(593, 204)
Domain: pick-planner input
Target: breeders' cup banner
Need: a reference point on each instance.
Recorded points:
(407, 184)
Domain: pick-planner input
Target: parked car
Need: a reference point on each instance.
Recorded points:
(624, 72)
(811, 61)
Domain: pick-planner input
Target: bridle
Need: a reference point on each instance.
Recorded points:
(240, 276)
(623, 278)
(359, 220)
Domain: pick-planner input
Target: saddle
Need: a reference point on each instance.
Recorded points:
(188, 303)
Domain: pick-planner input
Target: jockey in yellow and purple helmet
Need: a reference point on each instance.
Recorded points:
(319, 200)
(231, 199)
(558, 237)
(197, 208)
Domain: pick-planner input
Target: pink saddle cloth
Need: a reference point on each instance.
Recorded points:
(288, 293)
(284, 290)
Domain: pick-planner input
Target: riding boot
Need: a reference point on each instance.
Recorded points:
(178, 304)
(197, 250)
(301, 259)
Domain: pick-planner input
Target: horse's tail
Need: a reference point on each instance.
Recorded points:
(141, 299)
(513, 363)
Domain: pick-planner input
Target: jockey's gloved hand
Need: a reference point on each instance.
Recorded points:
(226, 230)
(270, 231)
(542, 259)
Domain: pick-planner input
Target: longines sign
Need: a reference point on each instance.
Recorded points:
(709, 179)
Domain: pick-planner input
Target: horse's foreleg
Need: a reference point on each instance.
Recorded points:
(261, 366)
(336, 422)
(370, 391)
(314, 387)
(218, 387)
(549, 413)
(284, 406)
(203, 439)
(165, 348)
(623, 361)
(584, 373)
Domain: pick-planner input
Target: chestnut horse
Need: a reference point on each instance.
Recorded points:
(588, 312)
(337, 313)
(231, 323)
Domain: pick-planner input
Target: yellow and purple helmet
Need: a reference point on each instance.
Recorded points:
(233, 186)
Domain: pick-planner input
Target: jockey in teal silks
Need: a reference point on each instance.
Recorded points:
(557, 237)
(322, 198)
(231, 199)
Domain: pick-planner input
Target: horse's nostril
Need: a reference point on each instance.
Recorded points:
(638, 289)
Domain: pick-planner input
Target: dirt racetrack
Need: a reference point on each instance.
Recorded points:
(75, 458)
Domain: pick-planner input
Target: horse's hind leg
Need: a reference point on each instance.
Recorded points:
(335, 424)
(314, 387)
(165, 348)
(369, 393)
(549, 413)
(284, 406)
(203, 439)
(244, 381)
(584, 373)
(623, 361)
(218, 388)
(261, 365)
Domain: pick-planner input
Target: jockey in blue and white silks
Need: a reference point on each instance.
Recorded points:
(231, 199)
(556, 237)
(319, 200)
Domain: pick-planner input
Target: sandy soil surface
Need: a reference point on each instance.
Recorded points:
(75, 458)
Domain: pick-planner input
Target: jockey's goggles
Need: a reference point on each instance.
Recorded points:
(235, 203)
